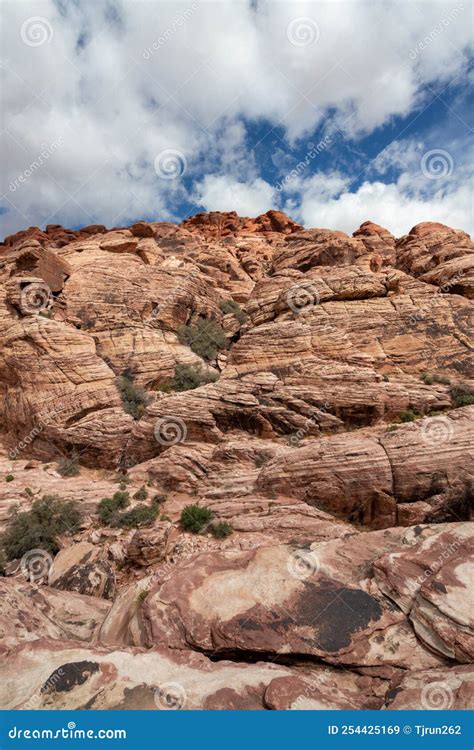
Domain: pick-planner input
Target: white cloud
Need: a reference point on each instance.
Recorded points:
(387, 205)
(120, 82)
(223, 193)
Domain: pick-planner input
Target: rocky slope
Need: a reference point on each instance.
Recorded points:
(331, 429)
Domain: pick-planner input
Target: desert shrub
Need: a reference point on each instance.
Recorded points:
(187, 377)
(442, 379)
(194, 518)
(205, 338)
(134, 399)
(110, 506)
(407, 416)
(9, 478)
(141, 494)
(141, 515)
(464, 400)
(386, 379)
(69, 467)
(220, 530)
(39, 527)
(427, 378)
(229, 306)
(462, 396)
(392, 428)
(122, 478)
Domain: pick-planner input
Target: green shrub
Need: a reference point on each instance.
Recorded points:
(69, 467)
(442, 379)
(229, 306)
(9, 478)
(164, 518)
(143, 595)
(141, 494)
(40, 527)
(194, 518)
(462, 396)
(187, 377)
(428, 379)
(141, 515)
(220, 530)
(386, 379)
(205, 338)
(407, 416)
(392, 427)
(109, 506)
(466, 400)
(134, 399)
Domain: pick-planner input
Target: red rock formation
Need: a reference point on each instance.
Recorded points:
(330, 432)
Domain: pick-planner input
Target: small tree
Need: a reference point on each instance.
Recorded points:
(230, 306)
(40, 527)
(188, 377)
(205, 338)
(134, 399)
(194, 518)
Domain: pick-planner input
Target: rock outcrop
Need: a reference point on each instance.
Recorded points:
(313, 391)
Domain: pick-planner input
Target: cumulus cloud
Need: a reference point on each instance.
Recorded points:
(223, 193)
(118, 82)
(389, 206)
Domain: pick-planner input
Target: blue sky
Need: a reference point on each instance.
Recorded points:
(336, 112)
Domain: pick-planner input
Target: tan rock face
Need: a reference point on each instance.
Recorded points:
(325, 419)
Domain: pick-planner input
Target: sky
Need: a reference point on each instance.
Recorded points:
(335, 112)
